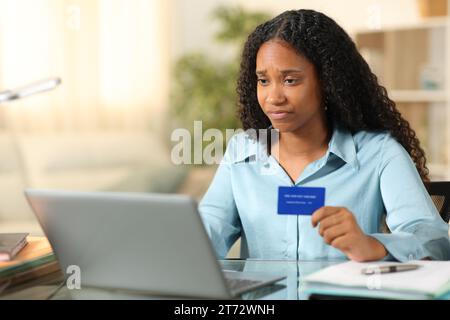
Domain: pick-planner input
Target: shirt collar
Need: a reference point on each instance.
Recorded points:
(341, 144)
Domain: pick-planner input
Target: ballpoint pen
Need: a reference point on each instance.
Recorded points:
(389, 268)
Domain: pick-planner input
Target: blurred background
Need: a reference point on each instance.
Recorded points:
(134, 70)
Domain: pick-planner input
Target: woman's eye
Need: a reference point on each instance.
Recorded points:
(290, 81)
(262, 81)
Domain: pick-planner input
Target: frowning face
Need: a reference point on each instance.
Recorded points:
(288, 88)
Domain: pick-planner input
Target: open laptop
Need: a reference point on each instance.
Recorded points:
(154, 243)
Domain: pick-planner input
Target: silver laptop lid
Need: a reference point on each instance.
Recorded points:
(149, 242)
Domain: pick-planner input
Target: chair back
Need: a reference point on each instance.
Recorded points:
(440, 194)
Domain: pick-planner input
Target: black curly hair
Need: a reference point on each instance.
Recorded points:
(351, 92)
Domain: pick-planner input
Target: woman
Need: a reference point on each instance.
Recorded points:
(302, 75)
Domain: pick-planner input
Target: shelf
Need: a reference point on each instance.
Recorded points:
(418, 95)
(403, 56)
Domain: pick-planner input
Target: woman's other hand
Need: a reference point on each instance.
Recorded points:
(338, 228)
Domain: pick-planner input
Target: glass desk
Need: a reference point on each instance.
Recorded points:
(290, 288)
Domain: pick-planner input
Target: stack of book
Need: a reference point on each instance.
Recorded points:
(35, 260)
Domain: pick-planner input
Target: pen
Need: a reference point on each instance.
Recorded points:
(389, 268)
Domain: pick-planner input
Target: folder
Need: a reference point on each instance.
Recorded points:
(430, 281)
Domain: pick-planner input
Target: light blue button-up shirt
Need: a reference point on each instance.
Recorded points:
(369, 173)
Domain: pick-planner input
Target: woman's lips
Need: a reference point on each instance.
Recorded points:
(281, 115)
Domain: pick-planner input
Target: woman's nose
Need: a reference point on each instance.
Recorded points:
(276, 96)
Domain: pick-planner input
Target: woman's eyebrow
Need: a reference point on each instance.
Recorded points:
(284, 72)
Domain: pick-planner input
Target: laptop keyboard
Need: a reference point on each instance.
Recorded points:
(236, 284)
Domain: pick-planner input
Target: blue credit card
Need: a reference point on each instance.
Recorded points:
(300, 200)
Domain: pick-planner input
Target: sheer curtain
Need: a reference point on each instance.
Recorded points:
(94, 130)
(112, 56)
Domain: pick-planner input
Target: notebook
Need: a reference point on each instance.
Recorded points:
(430, 281)
(11, 244)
